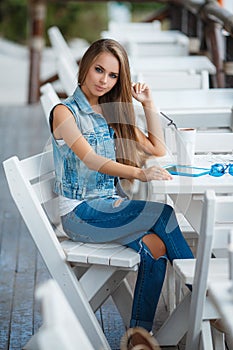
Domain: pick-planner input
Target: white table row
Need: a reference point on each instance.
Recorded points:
(155, 36)
(168, 64)
(158, 43)
(134, 27)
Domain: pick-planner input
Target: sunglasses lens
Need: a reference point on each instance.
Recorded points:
(217, 170)
(231, 169)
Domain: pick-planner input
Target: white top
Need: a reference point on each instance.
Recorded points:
(66, 205)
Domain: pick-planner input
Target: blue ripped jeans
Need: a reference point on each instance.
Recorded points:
(106, 220)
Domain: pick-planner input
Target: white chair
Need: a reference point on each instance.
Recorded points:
(221, 294)
(60, 46)
(194, 312)
(230, 256)
(86, 273)
(68, 74)
(67, 67)
(48, 99)
(61, 330)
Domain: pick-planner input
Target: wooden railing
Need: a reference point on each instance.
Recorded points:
(208, 21)
(203, 20)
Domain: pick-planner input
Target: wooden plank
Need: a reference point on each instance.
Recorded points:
(41, 276)
(104, 254)
(112, 324)
(22, 132)
(22, 314)
(8, 263)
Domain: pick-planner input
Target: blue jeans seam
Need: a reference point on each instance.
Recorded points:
(140, 287)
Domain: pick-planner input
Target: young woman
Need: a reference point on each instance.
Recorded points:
(96, 143)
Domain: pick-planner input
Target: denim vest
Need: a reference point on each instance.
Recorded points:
(73, 178)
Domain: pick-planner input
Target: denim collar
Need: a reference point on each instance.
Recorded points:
(82, 101)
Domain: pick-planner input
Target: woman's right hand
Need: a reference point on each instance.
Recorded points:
(155, 173)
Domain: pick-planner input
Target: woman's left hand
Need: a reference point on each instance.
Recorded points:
(141, 92)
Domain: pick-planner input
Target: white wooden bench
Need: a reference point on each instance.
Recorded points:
(60, 46)
(66, 63)
(194, 312)
(212, 143)
(86, 273)
(48, 99)
(61, 330)
(221, 294)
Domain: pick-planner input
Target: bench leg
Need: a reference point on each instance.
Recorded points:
(32, 344)
(175, 327)
(100, 282)
(123, 299)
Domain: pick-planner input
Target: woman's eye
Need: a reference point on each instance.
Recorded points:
(114, 76)
(98, 69)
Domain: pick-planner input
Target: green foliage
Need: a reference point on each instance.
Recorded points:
(74, 18)
(13, 19)
(78, 19)
(142, 10)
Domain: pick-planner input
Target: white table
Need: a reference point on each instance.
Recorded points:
(196, 108)
(211, 108)
(168, 64)
(221, 294)
(189, 100)
(187, 192)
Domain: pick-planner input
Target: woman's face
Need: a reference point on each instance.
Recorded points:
(101, 77)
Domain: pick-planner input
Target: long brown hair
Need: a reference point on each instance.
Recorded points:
(117, 104)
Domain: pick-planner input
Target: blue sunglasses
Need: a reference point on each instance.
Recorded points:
(220, 169)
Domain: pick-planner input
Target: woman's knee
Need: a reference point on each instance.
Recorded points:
(155, 245)
(168, 209)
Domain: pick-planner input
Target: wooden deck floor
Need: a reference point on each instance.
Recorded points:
(23, 132)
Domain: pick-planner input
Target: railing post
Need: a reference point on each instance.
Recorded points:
(176, 17)
(36, 43)
(215, 45)
(193, 28)
(228, 65)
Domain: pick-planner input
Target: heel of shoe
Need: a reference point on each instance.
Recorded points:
(138, 338)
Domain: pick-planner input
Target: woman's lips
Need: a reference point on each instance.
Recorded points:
(99, 88)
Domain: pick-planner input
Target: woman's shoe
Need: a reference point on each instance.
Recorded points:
(138, 339)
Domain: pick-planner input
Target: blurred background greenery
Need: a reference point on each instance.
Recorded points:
(74, 18)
